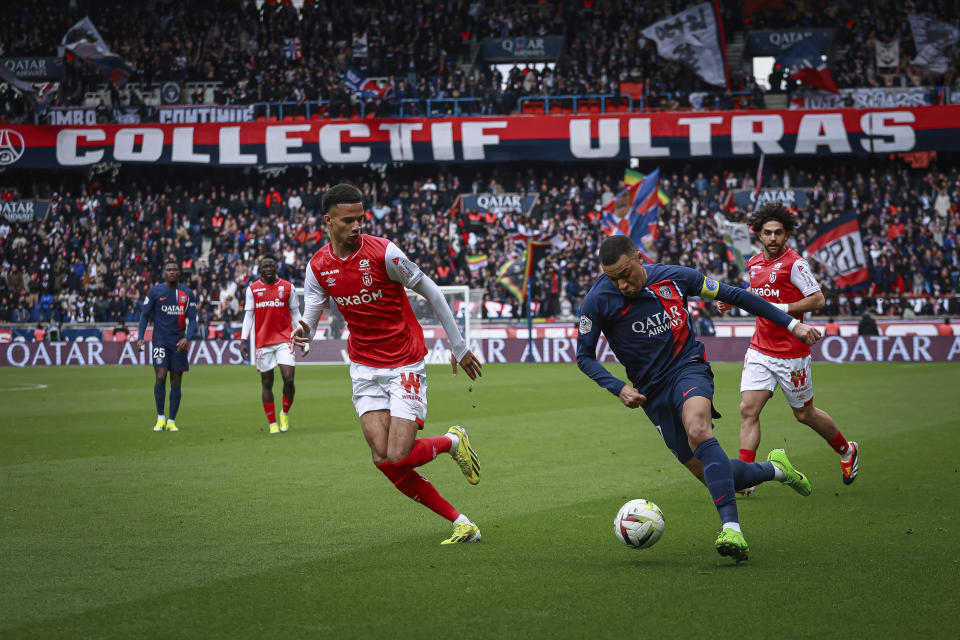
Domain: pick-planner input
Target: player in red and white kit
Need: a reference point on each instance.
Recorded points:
(775, 357)
(365, 276)
(271, 312)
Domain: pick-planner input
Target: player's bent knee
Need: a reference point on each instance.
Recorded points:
(748, 410)
(804, 414)
(698, 432)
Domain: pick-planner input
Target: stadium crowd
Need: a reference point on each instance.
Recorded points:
(426, 50)
(102, 245)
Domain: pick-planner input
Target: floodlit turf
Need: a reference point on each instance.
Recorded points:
(110, 530)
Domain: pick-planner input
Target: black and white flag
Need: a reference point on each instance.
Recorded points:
(935, 42)
(692, 37)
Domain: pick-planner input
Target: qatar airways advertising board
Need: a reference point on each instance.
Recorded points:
(835, 349)
(519, 138)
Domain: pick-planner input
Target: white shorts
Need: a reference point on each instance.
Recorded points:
(763, 373)
(401, 390)
(269, 357)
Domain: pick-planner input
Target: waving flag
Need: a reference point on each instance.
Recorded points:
(839, 247)
(806, 65)
(935, 42)
(84, 41)
(693, 37)
(477, 263)
(631, 177)
(635, 212)
(510, 276)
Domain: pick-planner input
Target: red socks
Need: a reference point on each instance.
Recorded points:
(748, 455)
(839, 444)
(417, 488)
(286, 404)
(270, 411)
(424, 450)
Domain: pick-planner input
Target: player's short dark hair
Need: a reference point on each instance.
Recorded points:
(772, 211)
(340, 194)
(615, 246)
(172, 261)
(269, 256)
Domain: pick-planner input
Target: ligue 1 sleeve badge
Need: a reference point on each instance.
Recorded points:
(586, 325)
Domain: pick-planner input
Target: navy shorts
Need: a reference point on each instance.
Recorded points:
(665, 409)
(169, 358)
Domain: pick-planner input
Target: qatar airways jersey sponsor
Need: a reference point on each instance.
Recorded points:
(368, 288)
(271, 305)
(784, 279)
(173, 311)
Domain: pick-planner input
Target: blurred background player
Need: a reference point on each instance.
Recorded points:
(775, 356)
(173, 308)
(272, 311)
(642, 311)
(366, 276)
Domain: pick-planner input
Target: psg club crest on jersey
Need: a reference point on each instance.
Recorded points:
(367, 279)
(665, 291)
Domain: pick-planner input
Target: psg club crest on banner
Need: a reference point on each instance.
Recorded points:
(665, 291)
(367, 279)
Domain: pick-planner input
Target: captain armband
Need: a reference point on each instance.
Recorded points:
(709, 289)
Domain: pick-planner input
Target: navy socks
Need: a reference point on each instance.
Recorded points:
(174, 402)
(718, 474)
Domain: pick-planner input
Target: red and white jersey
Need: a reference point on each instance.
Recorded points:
(368, 288)
(274, 307)
(787, 278)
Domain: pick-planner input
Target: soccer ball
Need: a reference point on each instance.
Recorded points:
(639, 524)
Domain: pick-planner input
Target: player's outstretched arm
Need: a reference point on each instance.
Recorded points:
(759, 307)
(458, 346)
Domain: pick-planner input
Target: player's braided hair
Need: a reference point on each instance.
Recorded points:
(340, 194)
(772, 211)
(615, 246)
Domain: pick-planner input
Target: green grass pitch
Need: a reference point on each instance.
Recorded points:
(109, 530)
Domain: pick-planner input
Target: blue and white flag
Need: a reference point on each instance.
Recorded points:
(935, 42)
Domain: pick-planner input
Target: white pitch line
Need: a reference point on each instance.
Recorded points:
(31, 387)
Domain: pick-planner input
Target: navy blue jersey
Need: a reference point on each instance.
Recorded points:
(651, 334)
(174, 314)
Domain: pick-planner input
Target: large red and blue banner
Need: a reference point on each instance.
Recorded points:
(519, 138)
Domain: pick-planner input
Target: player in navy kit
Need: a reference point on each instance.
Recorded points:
(642, 311)
(174, 311)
